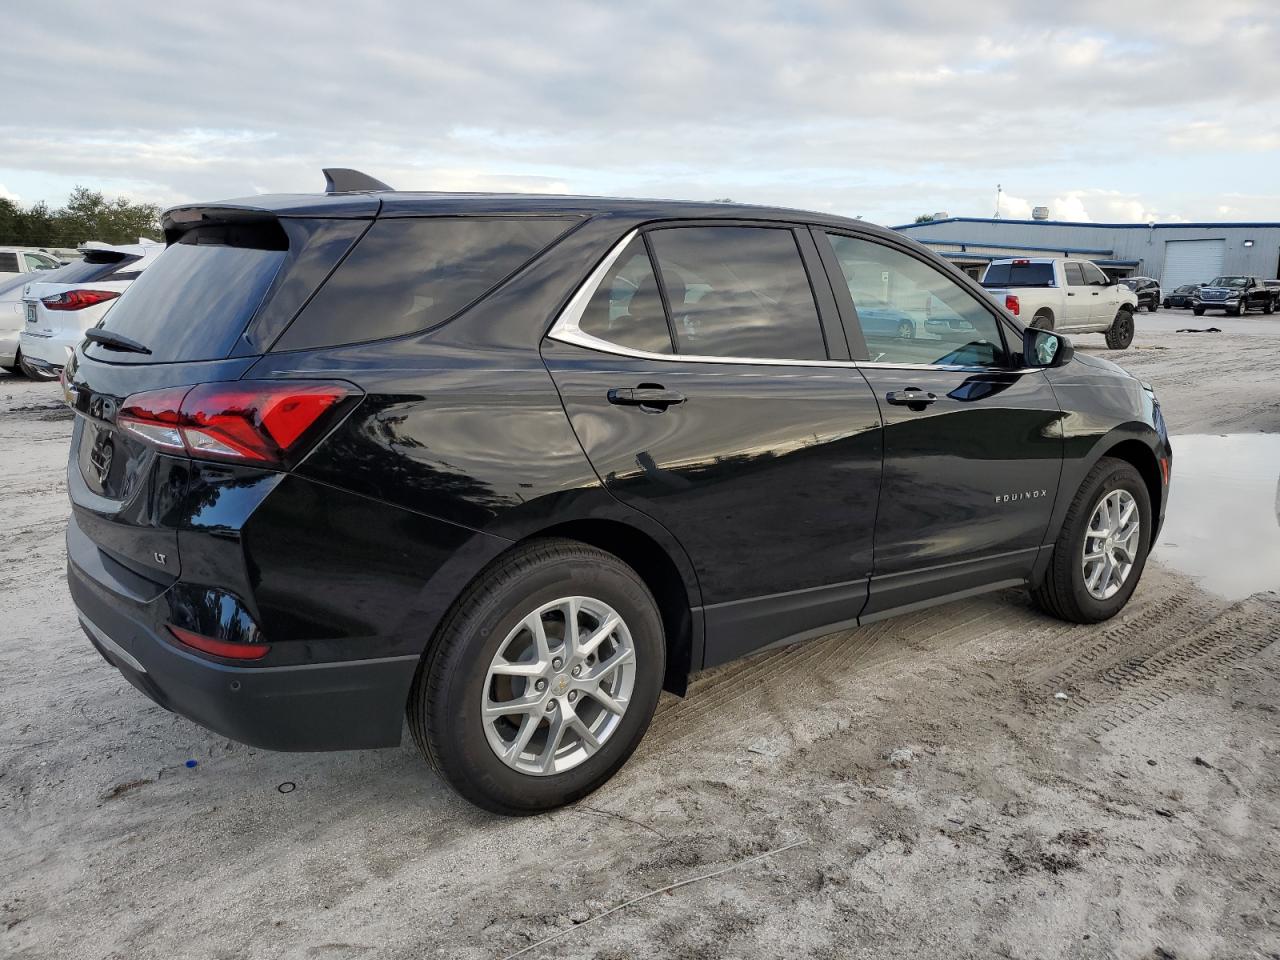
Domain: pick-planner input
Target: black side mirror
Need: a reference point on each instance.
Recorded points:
(1041, 348)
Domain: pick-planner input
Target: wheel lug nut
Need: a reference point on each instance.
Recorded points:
(551, 706)
(577, 671)
(573, 695)
(540, 685)
(557, 663)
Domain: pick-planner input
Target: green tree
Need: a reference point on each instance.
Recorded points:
(87, 215)
(925, 218)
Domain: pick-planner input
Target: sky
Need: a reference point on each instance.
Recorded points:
(1127, 110)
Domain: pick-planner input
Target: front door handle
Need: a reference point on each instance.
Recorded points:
(658, 397)
(911, 397)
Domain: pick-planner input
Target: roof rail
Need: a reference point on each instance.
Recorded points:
(344, 180)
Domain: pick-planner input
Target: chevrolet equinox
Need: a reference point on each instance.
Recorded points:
(512, 465)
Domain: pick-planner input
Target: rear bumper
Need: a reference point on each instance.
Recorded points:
(49, 352)
(344, 705)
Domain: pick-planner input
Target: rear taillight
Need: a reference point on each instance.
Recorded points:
(78, 299)
(267, 423)
(1011, 304)
(219, 648)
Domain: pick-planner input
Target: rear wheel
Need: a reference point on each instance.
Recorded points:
(1102, 547)
(1121, 333)
(34, 373)
(1042, 320)
(906, 329)
(543, 679)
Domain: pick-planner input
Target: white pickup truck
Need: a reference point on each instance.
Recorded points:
(1066, 296)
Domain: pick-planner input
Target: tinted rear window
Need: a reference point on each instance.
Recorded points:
(198, 296)
(97, 265)
(407, 274)
(1019, 275)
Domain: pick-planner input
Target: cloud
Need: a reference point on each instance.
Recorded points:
(861, 108)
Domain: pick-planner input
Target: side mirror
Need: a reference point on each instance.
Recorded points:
(1041, 348)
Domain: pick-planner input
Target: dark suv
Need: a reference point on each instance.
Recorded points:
(514, 464)
(1146, 290)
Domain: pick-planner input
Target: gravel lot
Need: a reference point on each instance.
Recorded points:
(934, 793)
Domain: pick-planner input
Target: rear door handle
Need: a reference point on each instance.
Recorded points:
(658, 397)
(910, 397)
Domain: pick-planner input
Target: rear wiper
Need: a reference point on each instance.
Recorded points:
(115, 341)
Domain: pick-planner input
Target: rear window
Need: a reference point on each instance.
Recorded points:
(408, 274)
(8, 263)
(1013, 274)
(198, 296)
(96, 265)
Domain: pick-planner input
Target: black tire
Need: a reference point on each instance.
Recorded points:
(1166, 304)
(1241, 308)
(906, 330)
(1120, 334)
(444, 706)
(15, 369)
(1062, 593)
(1269, 308)
(34, 373)
(1198, 311)
(1042, 320)
(1153, 306)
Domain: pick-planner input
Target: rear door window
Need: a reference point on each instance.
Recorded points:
(199, 294)
(738, 292)
(626, 308)
(1075, 276)
(408, 274)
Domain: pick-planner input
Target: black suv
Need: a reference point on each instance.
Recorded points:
(1147, 291)
(514, 464)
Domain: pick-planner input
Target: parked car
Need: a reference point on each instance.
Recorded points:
(1071, 296)
(1236, 295)
(1274, 287)
(512, 464)
(64, 303)
(1181, 296)
(1146, 290)
(18, 261)
(10, 320)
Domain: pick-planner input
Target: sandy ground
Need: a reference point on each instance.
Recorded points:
(934, 795)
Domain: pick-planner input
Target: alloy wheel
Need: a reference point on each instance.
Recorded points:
(1111, 544)
(559, 686)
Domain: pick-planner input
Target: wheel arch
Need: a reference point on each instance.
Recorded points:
(653, 563)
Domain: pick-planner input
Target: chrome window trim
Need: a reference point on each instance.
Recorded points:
(566, 329)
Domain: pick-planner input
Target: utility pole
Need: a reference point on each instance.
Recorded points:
(998, 189)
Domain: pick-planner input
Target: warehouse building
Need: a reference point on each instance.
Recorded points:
(1173, 253)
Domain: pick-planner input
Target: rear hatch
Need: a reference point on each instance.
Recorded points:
(183, 322)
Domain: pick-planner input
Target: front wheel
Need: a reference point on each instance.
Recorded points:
(906, 330)
(1241, 309)
(1152, 307)
(1268, 308)
(1198, 311)
(542, 680)
(1166, 304)
(1121, 333)
(1102, 547)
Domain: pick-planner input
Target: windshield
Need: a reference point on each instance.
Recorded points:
(1131, 284)
(1229, 282)
(1186, 288)
(1018, 273)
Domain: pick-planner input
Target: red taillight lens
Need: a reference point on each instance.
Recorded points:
(261, 422)
(219, 648)
(78, 299)
(1011, 304)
